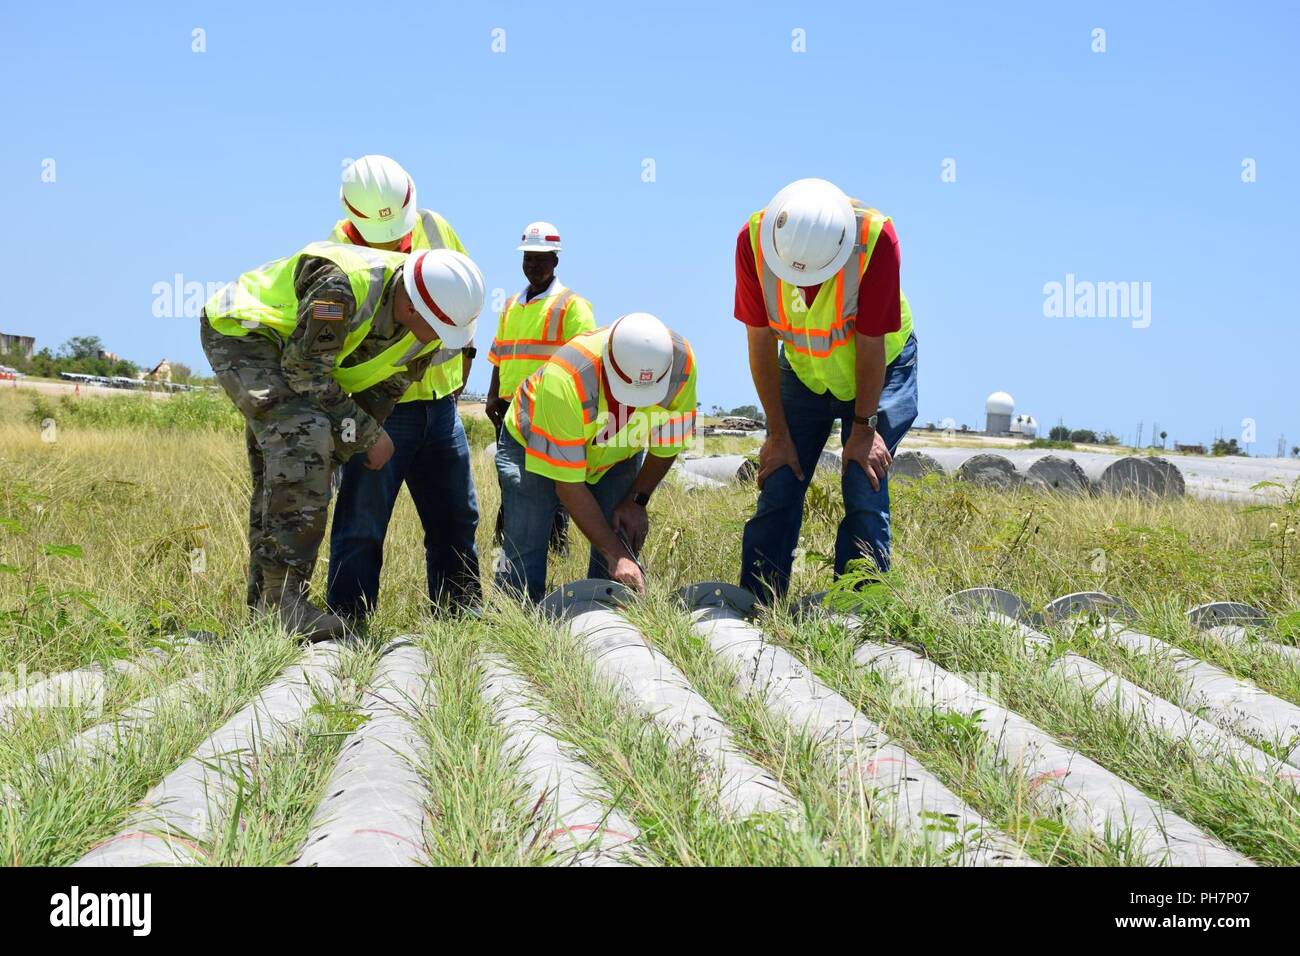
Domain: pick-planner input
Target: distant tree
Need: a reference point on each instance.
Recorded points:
(1109, 438)
(181, 372)
(1226, 447)
(1085, 436)
(747, 411)
(1059, 433)
(1295, 451)
(82, 347)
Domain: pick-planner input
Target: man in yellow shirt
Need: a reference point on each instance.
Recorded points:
(431, 455)
(533, 326)
(577, 435)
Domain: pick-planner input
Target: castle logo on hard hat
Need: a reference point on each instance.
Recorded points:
(647, 375)
(386, 212)
(780, 219)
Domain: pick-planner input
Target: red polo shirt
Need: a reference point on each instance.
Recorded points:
(879, 311)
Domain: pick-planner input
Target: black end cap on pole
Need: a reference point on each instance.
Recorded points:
(719, 594)
(983, 600)
(1086, 602)
(584, 595)
(1225, 612)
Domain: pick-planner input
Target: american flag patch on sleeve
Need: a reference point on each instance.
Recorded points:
(323, 310)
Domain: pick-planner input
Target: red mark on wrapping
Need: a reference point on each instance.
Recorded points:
(1042, 778)
(151, 836)
(589, 828)
(873, 765)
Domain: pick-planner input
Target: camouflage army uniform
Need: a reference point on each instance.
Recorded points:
(299, 423)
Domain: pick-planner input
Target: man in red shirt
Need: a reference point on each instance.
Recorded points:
(819, 273)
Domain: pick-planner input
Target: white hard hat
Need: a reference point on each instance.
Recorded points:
(379, 197)
(808, 232)
(447, 289)
(638, 357)
(540, 237)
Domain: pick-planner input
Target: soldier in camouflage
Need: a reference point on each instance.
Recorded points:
(300, 423)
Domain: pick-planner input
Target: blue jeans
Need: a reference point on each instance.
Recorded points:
(772, 535)
(432, 457)
(529, 501)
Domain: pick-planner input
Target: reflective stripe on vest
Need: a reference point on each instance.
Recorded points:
(394, 359)
(441, 378)
(552, 337)
(265, 299)
(584, 368)
(813, 335)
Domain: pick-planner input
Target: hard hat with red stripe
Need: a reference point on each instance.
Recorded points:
(379, 198)
(447, 289)
(540, 237)
(637, 359)
(808, 232)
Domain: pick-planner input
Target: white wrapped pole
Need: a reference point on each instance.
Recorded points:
(1230, 623)
(694, 482)
(84, 688)
(1125, 476)
(1105, 689)
(1093, 799)
(574, 815)
(724, 468)
(1237, 635)
(1055, 474)
(102, 740)
(913, 798)
(978, 466)
(648, 680)
(374, 807)
(914, 464)
(183, 809)
(1231, 702)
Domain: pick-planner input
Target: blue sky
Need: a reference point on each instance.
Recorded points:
(1121, 166)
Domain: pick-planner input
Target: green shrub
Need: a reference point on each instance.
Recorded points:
(193, 411)
(478, 430)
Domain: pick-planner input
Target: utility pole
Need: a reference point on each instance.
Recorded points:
(1138, 444)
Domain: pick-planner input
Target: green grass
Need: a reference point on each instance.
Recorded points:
(191, 411)
(129, 526)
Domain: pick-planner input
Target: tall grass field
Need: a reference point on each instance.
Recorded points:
(122, 522)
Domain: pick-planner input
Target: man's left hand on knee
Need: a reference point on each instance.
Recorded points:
(867, 449)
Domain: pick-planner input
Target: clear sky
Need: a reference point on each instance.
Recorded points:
(1122, 166)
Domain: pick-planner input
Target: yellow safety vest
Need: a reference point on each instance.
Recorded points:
(561, 416)
(431, 232)
(529, 333)
(264, 300)
(818, 339)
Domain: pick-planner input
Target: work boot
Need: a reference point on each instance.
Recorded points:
(298, 616)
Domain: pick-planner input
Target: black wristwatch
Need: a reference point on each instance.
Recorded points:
(641, 498)
(469, 351)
